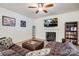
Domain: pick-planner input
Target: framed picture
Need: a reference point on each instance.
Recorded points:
(23, 23)
(52, 22)
(8, 21)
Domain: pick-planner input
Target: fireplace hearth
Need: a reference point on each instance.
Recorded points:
(51, 36)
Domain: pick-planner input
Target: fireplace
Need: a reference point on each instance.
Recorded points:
(51, 36)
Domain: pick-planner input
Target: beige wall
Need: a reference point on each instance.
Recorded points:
(17, 33)
(62, 18)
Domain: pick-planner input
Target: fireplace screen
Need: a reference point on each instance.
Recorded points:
(51, 36)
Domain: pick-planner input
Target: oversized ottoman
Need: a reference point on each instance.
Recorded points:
(33, 45)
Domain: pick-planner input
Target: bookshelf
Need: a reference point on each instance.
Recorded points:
(71, 32)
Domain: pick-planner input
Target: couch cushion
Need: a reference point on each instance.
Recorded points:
(8, 52)
(2, 48)
(16, 54)
(41, 52)
(1, 54)
(20, 50)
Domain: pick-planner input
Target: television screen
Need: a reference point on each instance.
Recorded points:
(52, 22)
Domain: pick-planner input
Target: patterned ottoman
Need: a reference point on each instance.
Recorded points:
(33, 45)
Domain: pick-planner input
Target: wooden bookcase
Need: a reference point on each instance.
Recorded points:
(71, 32)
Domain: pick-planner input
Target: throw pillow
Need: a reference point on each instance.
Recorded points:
(7, 42)
(69, 49)
(41, 52)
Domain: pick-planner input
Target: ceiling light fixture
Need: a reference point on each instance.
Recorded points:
(42, 7)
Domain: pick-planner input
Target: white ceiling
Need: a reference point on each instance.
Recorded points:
(23, 9)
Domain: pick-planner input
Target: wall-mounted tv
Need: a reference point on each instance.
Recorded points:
(51, 22)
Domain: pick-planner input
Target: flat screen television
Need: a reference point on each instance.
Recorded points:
(52, 22)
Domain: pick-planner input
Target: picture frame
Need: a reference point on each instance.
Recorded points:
(51, 22)
(8, 21)
(23, 23)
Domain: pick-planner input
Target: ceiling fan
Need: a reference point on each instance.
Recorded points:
(42, 7)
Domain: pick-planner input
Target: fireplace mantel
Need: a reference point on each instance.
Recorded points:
(52, 30)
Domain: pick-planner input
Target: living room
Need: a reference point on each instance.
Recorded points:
(26, 23)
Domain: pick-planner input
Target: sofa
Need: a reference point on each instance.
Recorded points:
(56, 49)
(62, 49)
(8, 48)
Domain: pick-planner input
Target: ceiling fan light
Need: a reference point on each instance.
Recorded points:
(40, 9)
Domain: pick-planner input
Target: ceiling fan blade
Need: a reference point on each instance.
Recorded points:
(45, 11)
(49, 5)
(37, 11)
(32, 7)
